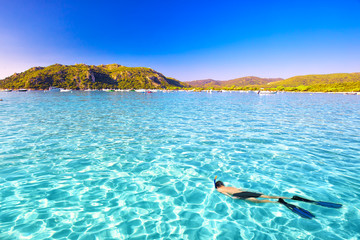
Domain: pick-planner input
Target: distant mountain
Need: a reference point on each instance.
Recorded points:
(82, 76)
(237, 82)
(337, 82)
(308, 80)
(202, 83)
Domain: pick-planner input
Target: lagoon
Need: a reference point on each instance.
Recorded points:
(127, 165)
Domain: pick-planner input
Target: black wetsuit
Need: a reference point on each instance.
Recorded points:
(244, 195)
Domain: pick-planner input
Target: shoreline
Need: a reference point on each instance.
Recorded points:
(174, 90)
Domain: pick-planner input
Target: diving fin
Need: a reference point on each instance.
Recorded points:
(320, 203)
(298, 210)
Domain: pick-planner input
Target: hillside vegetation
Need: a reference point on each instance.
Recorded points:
(234, 83)
(337, 82)
(81, 76)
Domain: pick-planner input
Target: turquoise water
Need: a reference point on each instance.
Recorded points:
(98, 165)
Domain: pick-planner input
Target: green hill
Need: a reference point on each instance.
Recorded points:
(337, 82)
(234, 83)
(81, 76)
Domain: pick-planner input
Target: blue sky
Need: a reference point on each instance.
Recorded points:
(188, 40)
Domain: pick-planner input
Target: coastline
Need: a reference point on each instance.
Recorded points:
(177, 90)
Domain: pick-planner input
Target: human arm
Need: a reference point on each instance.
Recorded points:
(229, 195)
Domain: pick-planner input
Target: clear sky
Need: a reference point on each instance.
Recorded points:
(187, 40)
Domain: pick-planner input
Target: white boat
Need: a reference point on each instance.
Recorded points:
(266, 92)
(54, 89)
(7, 90)
(65, 90)
(140, 90)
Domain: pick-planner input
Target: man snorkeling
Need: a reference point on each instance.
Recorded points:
(239, 194)
(252, 197)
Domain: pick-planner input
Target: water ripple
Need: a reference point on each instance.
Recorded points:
(140, 166)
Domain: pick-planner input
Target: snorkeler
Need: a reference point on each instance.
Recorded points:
(252, 197)
(239, 194)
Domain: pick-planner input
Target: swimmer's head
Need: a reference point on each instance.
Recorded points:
(219, 184)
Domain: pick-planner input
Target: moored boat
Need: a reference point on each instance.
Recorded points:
(65, 90)
(140, 90)
(54, 89)
(266, 92)
(108, 90)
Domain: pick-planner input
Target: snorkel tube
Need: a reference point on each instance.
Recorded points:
(215, 181)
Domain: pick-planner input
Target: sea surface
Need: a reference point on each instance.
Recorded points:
(127, 165)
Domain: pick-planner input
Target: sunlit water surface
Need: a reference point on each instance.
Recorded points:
(97, 165)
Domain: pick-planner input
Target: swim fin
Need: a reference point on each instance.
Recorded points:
(320, 203)
(298, 210)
